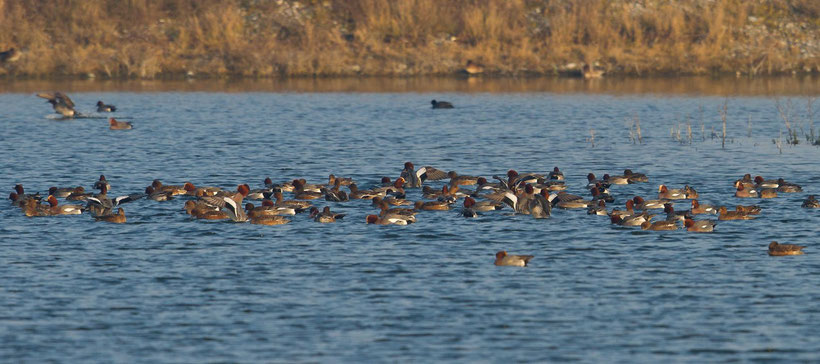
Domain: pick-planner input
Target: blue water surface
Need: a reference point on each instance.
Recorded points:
(167, 288)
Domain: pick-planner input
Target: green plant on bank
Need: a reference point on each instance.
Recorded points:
(272, 38)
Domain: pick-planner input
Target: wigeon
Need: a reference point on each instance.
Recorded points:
(733, 215)
(700, 226)
(811, 202)
(61, 103)
(761, 183)
(635, 177)
(114, 124)
(57, 209)
(698, 208)
(101, 107)
(670, 194)
(556, 174)
(118, 218)
(659, 225)
(768, 193)
(416, 178)
(504, 259)
(788, 187)
(374, 219)
(744, 192)
(776, 249)
(325, 216)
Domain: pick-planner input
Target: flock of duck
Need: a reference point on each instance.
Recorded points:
(526, 194)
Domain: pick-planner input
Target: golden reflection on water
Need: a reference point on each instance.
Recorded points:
(711, 86)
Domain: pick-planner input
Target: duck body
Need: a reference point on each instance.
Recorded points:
(776, 249)
(101, 107)
(811, 202)
(510, 260)
(700, 226)
(114, 124)
(118, 218)
(441, 104)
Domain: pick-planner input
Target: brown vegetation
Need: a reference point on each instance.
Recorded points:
(265, 38)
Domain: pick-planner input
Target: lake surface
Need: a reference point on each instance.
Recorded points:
(167, 288)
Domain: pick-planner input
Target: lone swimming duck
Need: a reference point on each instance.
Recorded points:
(105, 108)
(61, 103)
(776, 249)
(811, 202)
(471, 68)
(119, 125)
(504, 259)
(441, 104)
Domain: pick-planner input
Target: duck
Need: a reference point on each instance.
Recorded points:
(343, 181)
(519, 202)
(811, 202)
(593, 182)
(468, 211)
(281, 202)
(744, 192)
(441, 104)
(102, 182)
(699, 226)
(269, 220)
(334, 194)
(99, 204)
(397, 212)
(599, 209)
(192, 190)
(663, 225)
(158, 195)
(761, 183)
(431, 205)
(374, 219)
(9, 56)
(119, 125)
(777, 249)
(598, 194)
(460, 180)
(199, 209)
(118, 218)
(21, 192)
(101, 107)
(357, 194)
(415, 179)
(642, 204)
(751, 209)
(325, 216)
(269, 208)
(768, 193)
(615, 180)
(78, 194)
(746, 181)
(675, 216)
(540, 205)
(33, 208)
(510, 260)
(733, 215)
(788, 187)
(61, 103)
(690, 192)
(177, 189)
(698, 208)
(635, 177)
(630, 220)
(61, 192)
(484, 206)
(590, 73)
(471, 68)
(556, 174)
(670, 194)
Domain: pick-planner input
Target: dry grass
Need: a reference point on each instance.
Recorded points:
(266, 38)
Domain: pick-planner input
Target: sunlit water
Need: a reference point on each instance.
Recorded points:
(166, 288)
